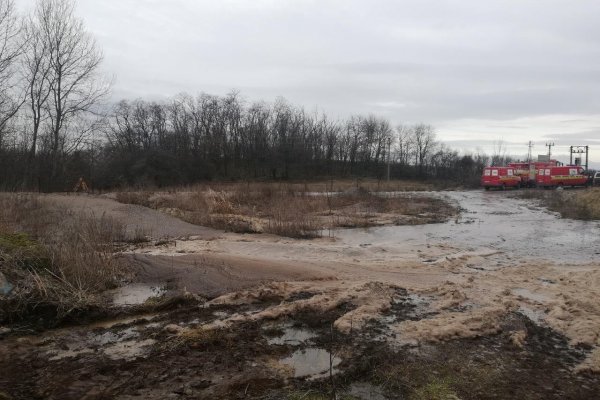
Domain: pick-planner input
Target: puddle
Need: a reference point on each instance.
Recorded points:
(527, 294)
(292, 336)
(365, 391)
(312, 362)
(136, 293)
(116, 344)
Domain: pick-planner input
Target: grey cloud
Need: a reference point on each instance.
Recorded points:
(589, 138)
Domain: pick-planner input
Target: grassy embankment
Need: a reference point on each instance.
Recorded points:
(576, 204)
(57, 262)
(295, 210)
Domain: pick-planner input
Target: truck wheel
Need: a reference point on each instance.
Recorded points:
(487, 188)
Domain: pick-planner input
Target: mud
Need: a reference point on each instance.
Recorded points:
(241, 363)
(499, 303)
(137, 219)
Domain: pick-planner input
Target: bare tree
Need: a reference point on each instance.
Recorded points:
(405, 143)
(499, 153)
(73, 79)
(424, 141)
(11, 45)
(36, 77)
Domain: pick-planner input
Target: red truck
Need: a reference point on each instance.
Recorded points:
(569, 175)
(528, 170)
(500, 177)
(525, 171)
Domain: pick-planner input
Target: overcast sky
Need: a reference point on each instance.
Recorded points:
(479, 71)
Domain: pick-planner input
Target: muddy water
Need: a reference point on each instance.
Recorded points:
(292, 336)
(312, 362)
(117, 344)
(492, 222)
(136, 293)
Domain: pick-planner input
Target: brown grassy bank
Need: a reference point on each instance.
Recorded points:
(292, 210)
(576, 204)
(57, 262)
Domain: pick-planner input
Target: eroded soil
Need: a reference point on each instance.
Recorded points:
(499, 303)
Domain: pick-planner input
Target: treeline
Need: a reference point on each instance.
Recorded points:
(212, 137)
(55, 132)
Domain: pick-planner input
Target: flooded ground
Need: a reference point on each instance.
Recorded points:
(489, 222)
(500, 302)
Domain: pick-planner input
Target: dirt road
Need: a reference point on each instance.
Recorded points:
(136, 218)
(500, 302)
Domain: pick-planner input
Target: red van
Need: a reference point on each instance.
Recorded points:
(500, 177)
(570, 175)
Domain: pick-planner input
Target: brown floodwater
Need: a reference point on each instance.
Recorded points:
(491, 221)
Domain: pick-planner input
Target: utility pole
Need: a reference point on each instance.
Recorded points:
(549, 145)
(388, 159)
(580, 150)
(530, 145)
(571, 155)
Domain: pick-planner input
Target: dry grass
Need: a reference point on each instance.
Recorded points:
(285, 210)
(576, 204)
(59, 262)
(334, 185)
